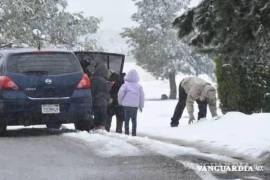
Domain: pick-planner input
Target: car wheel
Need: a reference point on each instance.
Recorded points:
(53, 125)
(3, 129)
(84, 125)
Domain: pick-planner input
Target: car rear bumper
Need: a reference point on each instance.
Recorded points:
(23, 110)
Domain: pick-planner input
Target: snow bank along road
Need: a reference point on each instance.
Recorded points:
(65, 154)
(235, 134)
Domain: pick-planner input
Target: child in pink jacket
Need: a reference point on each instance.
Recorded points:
(131, 97)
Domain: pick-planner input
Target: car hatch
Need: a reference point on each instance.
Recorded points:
(45, 74)
(89, 60)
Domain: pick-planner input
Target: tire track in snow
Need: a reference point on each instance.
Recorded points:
(173, 152)
(112, 144)
(189, 157)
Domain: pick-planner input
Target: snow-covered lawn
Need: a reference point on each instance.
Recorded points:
(234, 134)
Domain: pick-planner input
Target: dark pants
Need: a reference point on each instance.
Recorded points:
(182, 104)
(130, 113)
(119, 113)
(100, 115)
(202, 105)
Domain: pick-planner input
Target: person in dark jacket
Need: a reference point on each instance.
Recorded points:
(114, 108)
(88, 64)
(195, 89)
(101, 95)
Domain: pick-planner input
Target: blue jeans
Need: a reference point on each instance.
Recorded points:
(130, 113)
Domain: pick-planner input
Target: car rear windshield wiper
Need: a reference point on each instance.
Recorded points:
(36, 72)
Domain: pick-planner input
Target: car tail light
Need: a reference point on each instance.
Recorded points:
(6, 83)
(85, 83)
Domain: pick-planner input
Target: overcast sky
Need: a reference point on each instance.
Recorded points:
(115, 13)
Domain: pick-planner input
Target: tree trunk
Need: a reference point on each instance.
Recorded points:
(172, 85)
(197, 72)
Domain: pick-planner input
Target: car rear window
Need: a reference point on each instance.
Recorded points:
(112, 61)
(115, 63)
(50, 63)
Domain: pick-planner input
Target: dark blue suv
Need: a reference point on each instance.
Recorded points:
(43, 87)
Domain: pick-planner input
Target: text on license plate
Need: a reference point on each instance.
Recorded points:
(50, 108)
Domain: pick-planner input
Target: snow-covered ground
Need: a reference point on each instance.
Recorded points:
(113, 144)
(234, 134)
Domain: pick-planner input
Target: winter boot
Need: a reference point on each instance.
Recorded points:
(174, 123)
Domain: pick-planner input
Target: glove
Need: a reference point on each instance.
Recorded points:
(191, 120)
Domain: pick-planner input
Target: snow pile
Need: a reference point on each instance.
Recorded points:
(235, 134)
(106, 146)
(113, 144)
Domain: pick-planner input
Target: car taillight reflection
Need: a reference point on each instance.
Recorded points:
(6, 83)
(85, 83)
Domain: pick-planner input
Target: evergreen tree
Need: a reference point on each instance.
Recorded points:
(18, 19)
(155, 44)
(238, 32)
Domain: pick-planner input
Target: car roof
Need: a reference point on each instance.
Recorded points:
(27, 50)
(99, 52)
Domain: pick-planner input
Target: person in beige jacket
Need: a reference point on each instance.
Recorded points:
(194, 89)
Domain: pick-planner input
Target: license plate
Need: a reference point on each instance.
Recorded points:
(50, 108)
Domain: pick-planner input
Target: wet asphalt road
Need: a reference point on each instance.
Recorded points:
(38, 154)
(41, 154)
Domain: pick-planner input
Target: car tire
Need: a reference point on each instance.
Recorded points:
(84, 125)
(53, 125)
(3, 129)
